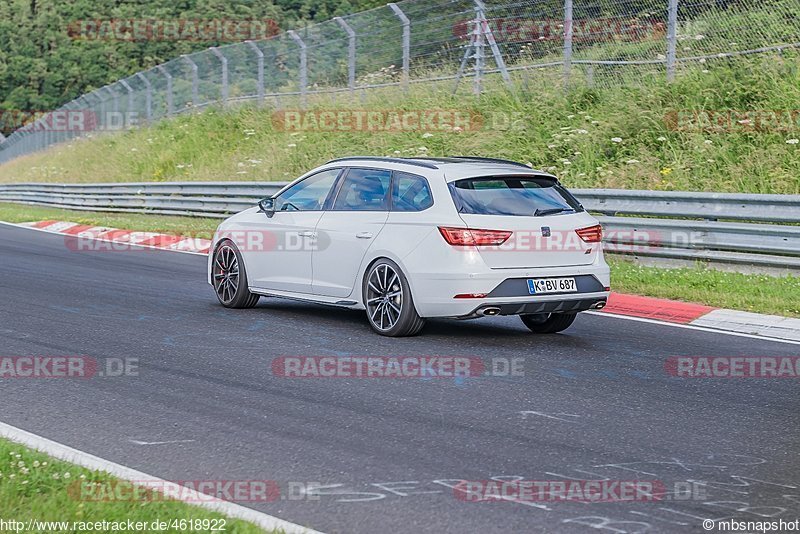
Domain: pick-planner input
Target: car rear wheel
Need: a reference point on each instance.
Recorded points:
(548, 323)
(230, 278)
(387, 297)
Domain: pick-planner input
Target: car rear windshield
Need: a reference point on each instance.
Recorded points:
(513, 195)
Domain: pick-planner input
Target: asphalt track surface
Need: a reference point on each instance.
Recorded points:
(599, 403)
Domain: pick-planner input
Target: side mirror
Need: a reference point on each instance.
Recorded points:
(267, 206)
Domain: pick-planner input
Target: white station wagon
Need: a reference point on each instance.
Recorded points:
(410, 238)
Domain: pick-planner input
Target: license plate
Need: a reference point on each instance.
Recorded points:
(538, 286)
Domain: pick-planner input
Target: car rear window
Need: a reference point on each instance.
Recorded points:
(512, 195)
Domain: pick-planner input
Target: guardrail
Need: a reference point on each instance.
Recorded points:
(738, 229)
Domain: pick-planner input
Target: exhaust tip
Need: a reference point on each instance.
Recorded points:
(599, 305)
(491, 311)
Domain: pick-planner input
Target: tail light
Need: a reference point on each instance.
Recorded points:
(591, 234)
(464, 237)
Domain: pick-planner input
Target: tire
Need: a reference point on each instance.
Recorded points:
(387, 297)
(230, 278)
(548, 323)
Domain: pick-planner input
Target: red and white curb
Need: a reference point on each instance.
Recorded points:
(127, 237)
(686, 313)
(674, 312)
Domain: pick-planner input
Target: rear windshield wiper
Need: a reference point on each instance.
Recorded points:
(552, 211)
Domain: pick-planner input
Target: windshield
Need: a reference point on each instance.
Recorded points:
(512, 195)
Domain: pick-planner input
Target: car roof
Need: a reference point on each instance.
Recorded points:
(455, 167)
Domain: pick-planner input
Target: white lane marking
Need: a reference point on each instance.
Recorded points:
(691, 327)
(89, 461)
(137, 442)
(204, 254)
(600, 313)
(548, 416)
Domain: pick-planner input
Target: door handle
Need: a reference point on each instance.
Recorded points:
(364, 235)
(307, 234)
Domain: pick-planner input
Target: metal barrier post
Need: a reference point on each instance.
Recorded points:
(129, 89)
(672, 39)
(168, 76)
(148, 96)
(406, 42)
(224, 61)
(351, 53)
(303, 65)
(568, 29)
(195, 81)
(260, 56)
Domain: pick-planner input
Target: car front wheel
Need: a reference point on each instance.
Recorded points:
(548, 323)
(230, 278)
(387, 297)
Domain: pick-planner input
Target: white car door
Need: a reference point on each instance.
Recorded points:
(283, 262)
(347, 230)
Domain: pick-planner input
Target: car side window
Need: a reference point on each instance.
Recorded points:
(364, 190)
(410, 193)
(308, 195)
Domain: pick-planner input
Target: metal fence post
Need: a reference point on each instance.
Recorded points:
(260, 60)
(148, 96)
(85, 107)
(351, 53)
(97, 107)
(46, 129)
(567, 41)
(115, 108)
(672, 38)
(168, 76)
(488, 34)
(37, 133)
(67, 133)
(406, 43)
(479, 55)
(195, 81)
(114, 96)
(224, 61)
(129, 89)
(303, 65)
(101, 104)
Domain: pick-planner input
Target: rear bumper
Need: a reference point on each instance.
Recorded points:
(506, 290)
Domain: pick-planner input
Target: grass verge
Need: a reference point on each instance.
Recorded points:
(737, 291)
(748, 292)
(35, 486)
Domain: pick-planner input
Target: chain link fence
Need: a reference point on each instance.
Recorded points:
(567, 42)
